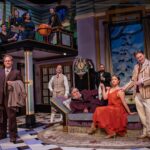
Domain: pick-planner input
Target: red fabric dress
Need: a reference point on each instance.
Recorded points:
(113, 118)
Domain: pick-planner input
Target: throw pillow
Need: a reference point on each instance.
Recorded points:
(67, 103)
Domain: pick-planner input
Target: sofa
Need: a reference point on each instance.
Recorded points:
(75, 120)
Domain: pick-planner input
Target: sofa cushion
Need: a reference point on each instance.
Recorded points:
(67, 103)
(133, 118)
(80, 117)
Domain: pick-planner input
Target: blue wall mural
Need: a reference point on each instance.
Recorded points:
(125, 40)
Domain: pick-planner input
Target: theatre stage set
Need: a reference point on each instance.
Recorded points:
(30, 50)
(105, 32)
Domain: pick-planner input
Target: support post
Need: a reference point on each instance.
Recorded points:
(30, 115)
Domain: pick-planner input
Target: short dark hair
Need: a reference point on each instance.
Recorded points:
(7, 56)
(52, 8)
(116, 77)
(24, 16)
(138, 52)
(3, 24)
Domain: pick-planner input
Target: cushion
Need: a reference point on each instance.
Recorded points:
(67, 103)
(80, 117)
(133, 118)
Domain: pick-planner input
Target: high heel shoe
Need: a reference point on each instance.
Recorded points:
(92, 131)
(110, 136)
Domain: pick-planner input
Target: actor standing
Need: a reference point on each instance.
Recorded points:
(103, 77)
(59, 86)
(141, 83)
(7, 75)
(54, 20)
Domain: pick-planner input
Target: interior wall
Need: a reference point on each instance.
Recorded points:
(86, 38)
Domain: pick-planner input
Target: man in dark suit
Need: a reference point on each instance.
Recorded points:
(7, 75)
(102, 76)
(54, 20)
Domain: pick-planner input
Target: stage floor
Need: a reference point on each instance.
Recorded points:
(53, 138)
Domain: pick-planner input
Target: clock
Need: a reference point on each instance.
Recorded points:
(80, 65)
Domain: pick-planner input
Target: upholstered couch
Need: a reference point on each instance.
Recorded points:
(84, 119)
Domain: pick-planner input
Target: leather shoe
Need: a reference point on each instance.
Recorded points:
(143, 136)
(3, 137)
(17, 137)
(13, 140)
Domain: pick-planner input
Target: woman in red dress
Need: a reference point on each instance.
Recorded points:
(112, 118)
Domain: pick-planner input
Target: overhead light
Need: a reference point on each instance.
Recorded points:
(64, 54)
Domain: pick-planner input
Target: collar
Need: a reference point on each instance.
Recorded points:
(145, 62)
(8, 69)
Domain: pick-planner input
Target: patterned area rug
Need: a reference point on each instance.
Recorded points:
(55, 135)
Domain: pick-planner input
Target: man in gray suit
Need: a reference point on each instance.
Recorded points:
(7, 75)
(141, 83)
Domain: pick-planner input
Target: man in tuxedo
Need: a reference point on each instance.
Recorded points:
(141, 83)
(102, 76)
(7, 75)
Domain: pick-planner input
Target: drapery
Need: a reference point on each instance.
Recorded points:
(108, 58)
(146, 26)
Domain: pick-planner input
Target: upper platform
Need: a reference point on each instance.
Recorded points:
(58, 44)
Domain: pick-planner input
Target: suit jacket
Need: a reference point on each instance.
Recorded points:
(17, 95)
(107, 77)
(143, 74)
(12, 76)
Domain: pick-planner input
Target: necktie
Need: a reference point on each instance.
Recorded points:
(139, 69)
(7, 72)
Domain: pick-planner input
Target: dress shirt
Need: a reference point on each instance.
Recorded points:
(65, 84)
(7, 71)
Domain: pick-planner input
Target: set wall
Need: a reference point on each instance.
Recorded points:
(86, 38)
(102, 41)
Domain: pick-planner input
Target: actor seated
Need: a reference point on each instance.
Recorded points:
(7, 36)
(84, 101)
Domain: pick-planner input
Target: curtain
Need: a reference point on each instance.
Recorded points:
(108, 59)
(146, 24)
